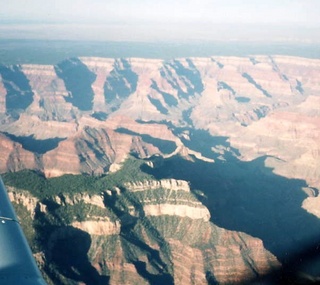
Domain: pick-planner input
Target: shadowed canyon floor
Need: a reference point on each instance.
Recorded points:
(148, 171)
(248, 197)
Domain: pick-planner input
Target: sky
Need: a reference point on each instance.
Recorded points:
(154, 20)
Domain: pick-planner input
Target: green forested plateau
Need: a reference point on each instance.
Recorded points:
(41, 187)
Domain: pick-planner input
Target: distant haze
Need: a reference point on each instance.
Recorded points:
(147, 20)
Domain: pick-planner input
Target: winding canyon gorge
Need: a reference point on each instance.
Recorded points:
(147, 171)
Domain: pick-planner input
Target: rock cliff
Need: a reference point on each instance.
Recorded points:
(260, 103)
(132, 239)
(144, 171)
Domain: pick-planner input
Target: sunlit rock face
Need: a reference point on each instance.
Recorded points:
(232, 144)
(261, 103)
(164, 236)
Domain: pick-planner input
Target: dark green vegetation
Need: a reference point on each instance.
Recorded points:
(52, 52)
(70, 259)
(66, 248)
(250, 198)
(41, 187)
(241, 196)
(26, 222)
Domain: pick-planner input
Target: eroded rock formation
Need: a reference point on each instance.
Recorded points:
(166, 244)
(261, 103)
(250, 126)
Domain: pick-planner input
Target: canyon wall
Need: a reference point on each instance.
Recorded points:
(224, 179)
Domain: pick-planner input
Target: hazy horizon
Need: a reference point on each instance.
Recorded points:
(146, 20)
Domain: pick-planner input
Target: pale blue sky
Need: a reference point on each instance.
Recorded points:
(161, 20)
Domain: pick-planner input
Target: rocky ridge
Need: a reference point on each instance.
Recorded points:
(218, 135)
(178, 249)
(142, 104)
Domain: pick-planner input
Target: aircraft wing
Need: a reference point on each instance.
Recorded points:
(17, 265)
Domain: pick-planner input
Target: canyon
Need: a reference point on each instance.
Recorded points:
(194, 170)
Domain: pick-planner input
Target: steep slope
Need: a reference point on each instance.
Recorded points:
(224, 182)
(228, 96)
(151, 232)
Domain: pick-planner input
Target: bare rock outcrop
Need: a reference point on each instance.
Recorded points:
(64, 200)
(170, 184)
(25, 199)
(14, 157)
(175, 248)
(192, 212)
(88, 115)
(99, 228)
(252, 100)
(172, 205)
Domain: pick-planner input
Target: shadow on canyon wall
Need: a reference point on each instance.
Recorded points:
(247, 197)
(19, 94)
(120, 83)
(78, 80)
(130, 239)
(69, 253)
(35, 145)
(165, 146)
